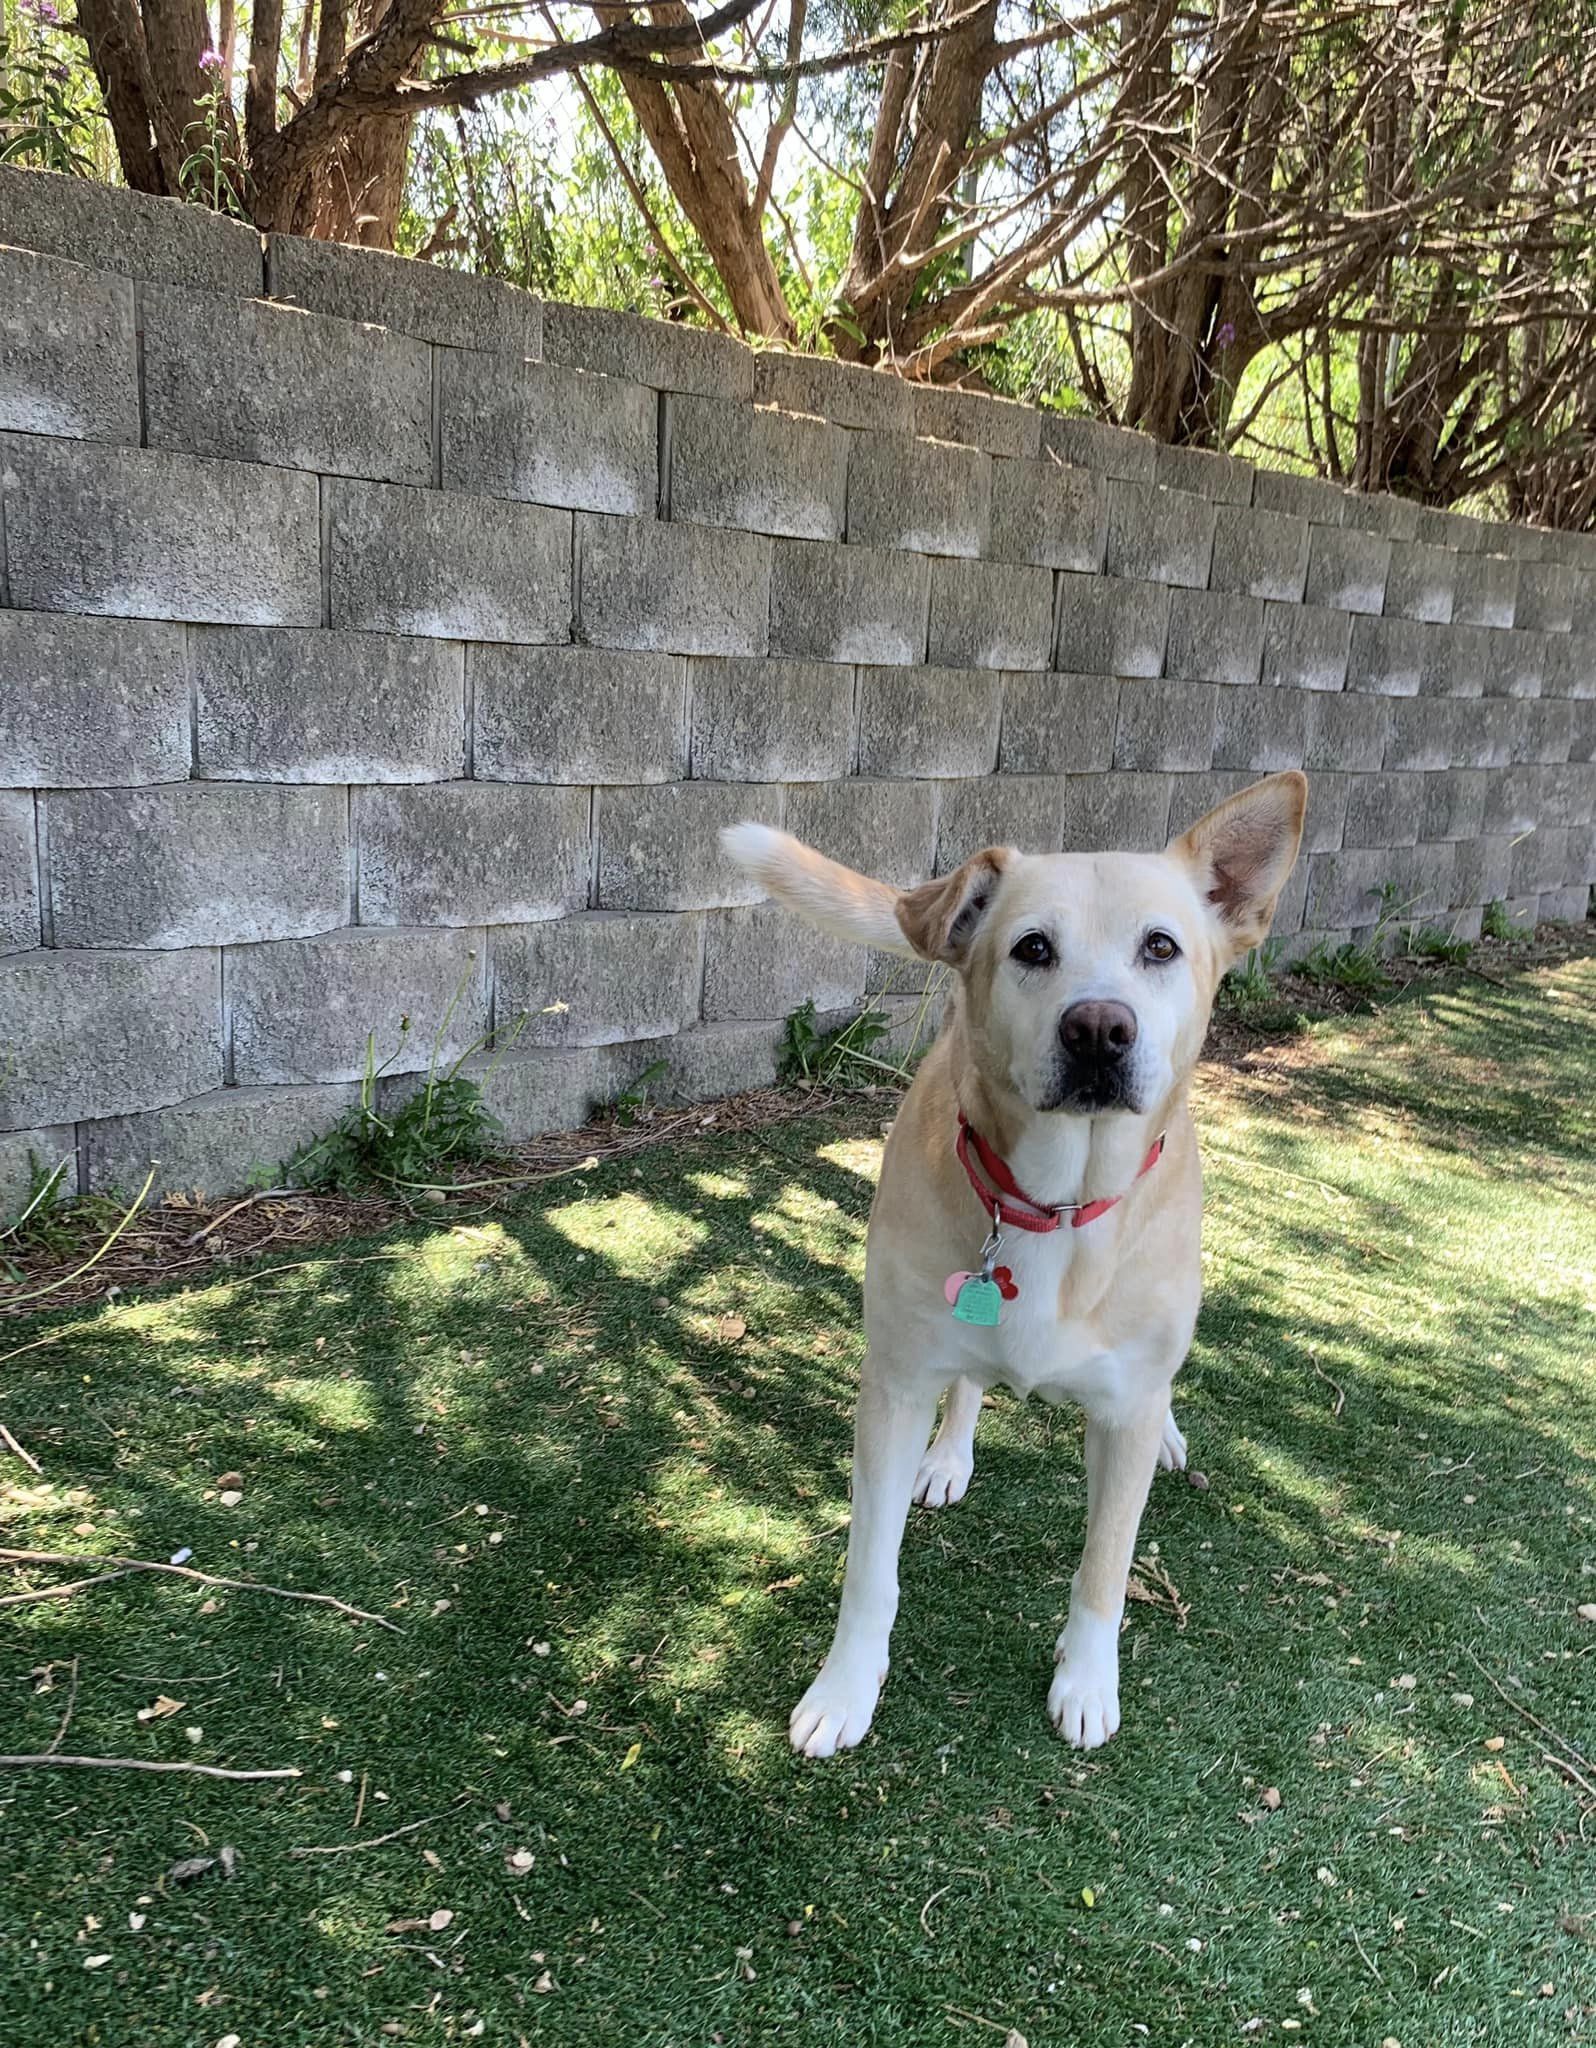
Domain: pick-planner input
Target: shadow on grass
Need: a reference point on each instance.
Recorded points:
(643, 1391)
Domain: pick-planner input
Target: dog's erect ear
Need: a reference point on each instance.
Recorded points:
(940, 918)
(1241, 852)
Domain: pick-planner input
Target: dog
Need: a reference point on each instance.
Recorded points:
(1039, 1214)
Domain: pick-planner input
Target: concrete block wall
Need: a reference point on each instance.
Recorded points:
(377, 643)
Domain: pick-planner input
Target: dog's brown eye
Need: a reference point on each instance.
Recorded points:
(1159, 946)
(1033, 951)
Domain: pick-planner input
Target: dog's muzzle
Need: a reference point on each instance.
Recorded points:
(1096, 1070)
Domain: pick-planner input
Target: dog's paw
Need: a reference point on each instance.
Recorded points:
(836, 1712)
(1172, 1448)
(1083, 1700)
(943, 1476)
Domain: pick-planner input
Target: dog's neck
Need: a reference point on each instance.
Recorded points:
(1057, 1158)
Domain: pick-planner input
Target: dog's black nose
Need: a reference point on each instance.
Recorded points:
(1102, 1032)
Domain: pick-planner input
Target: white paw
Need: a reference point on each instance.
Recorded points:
(944, 1474)
(1172, 1449)
(836, 1712)
(1083, 1700)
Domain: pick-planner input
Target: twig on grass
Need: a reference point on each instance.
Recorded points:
(248, 1202)
(1340, 1391)
(1362, 1951)
(66, 1718)
(176, 1571)
(930, 1902)
(46, 1760)
(11, 1444)
(378, 1841)
(1557, 1741)
(61, 1592)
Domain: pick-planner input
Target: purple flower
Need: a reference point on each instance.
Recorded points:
(1226, 334)
(212, 60)
(45, 11)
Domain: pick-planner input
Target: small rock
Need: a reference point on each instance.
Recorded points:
(440, 1920)
(1270, 1797)
(231, 1480)
(230, 1497)
(1199, 1480)
(1586, 1610)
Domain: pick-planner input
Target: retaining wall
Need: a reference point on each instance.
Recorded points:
(371, 632)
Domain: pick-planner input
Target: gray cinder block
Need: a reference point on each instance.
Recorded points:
(998, 810)
(1394, 519)
(755, 469)
(659, 847)
(1110, 628)
(1485, 590)
(927, 496)
(1095, 445)
(762, 962)
(26, 1155)
(1347, 569)
(596, 979)
(830, 602)
(1427, 732)
(990, 615)
(1303, 497)
(1264, 729)
(664, 354)
(1582, 745)
(1215, 636)
(91, 1034)
(247, 381)
(86, 700)
(1539, 861)
(289, 704)
(1050, 513)
(20, 929)
(1053, 724)
(136, 534)
(845, 393)
(447, 565)
(1194, 794)
(1548, 732)
(548, 434)
(195, 863)
(1260, 554)
(68, 352)
(770, 721)
(1453, 805)
(1388, 656)
(1482, 870)
(1547, 594)
(1347, 730)
(928, 721)
(446, 306)
(1344, 888)
(1453, 660)
(1115, 813)
(471, 853)
(1569, 665)
(1306, 646)
(128, 233)
(212, 1144)
(1159, 536)
(885, 829)
(1328, 795)
(1421, 583)
(1383, 810)
(1224, 478)
(302, 1009)
(1515, 663)
(1166, 725)
(671, 589)
(977, 419)
(577, 714)
(1455, 530)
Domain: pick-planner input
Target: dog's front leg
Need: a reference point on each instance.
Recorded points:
(1120, 1456)
(950, 1459)
(889, 1435)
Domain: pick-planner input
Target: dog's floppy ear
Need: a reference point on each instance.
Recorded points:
(940, 918)
(1241, 852)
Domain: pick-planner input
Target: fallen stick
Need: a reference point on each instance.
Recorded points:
(177, 1571)
(16, 1449)
(1557, 1741)
(248, 1202)
(58, 1592)
(377, 1841)
(48, 1762)
(66, 1718)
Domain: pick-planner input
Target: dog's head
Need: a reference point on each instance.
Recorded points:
(1088, 978)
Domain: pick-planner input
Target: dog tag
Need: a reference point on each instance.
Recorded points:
(979, 1302)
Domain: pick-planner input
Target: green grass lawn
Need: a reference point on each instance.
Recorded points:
(591, 1457)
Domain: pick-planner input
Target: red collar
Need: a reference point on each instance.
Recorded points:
(1030, 1215)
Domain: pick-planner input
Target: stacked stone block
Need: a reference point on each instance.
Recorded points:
(381, 652)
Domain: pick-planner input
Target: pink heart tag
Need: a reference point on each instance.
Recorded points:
(951, 1286)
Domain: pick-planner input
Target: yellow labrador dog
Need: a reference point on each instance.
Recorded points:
(1039, 1216)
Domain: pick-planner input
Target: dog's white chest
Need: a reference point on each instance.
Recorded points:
(1033, 1349)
